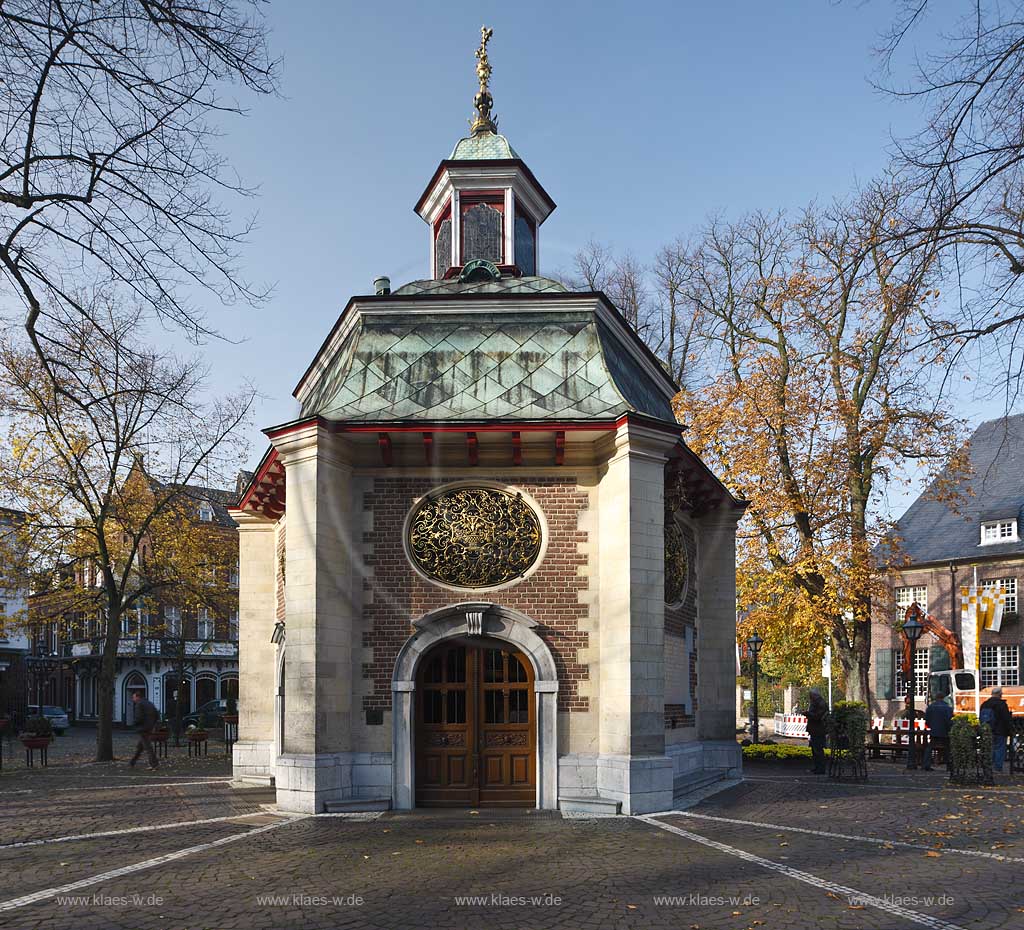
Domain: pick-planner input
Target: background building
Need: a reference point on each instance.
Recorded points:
(157, 640)
(945, 550)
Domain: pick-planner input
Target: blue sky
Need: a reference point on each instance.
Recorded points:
(639, 118)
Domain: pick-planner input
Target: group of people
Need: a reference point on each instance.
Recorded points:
(938, 718)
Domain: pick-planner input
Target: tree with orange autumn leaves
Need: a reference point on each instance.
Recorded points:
(104, 443)
(816, 394)
(809, 386)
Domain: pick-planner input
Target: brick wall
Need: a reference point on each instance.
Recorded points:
(396, 595)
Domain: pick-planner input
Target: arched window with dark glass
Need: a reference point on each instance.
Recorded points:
(481, 231)
(526, 245)
(442, 247)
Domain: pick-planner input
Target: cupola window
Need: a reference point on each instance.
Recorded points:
(443, 245)
(526, 245)
(482, 220)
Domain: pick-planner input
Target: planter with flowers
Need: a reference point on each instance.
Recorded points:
(36, 736)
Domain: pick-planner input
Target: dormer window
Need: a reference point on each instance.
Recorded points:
(994, 532)
(206, 512)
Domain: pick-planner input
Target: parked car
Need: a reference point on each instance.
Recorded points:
(57, 716)
(214, 711)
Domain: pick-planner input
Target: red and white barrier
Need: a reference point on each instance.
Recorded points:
(791, 725)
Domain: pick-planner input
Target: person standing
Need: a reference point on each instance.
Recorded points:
(996, 713)
(817, 711)
(146, 719)
(938, 718)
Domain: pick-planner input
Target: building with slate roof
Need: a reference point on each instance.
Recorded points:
(481, 567)
(940, 550)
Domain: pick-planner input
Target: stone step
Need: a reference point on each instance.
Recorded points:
(253, 781)
(686, 784)
(357, 805)
(577, 805)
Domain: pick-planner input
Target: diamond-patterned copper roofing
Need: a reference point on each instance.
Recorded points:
(505, 365)
(484, 145)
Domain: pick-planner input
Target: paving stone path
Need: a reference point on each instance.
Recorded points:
(778, 851)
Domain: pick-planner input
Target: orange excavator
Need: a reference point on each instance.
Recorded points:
(959, 686)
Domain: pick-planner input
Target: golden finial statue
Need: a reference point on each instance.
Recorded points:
(483, 101)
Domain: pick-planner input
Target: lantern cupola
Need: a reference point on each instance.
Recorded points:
(483, 205)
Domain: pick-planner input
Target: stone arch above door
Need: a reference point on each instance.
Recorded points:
(470, 620)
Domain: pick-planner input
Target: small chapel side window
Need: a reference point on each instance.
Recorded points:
(482, 230)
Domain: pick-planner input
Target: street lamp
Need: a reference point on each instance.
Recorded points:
(912, 629)
(754, 645)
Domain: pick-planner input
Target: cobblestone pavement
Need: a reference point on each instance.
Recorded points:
(754, 856)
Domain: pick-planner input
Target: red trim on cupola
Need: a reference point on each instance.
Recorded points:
(484, 163)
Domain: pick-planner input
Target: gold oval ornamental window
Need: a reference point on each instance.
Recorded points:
(677, 565)
(474, 537)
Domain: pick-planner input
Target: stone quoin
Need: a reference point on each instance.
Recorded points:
(482, 567)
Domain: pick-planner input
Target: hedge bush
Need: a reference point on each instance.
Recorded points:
(779, 752)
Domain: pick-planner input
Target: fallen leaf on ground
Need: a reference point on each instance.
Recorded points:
(933, 855)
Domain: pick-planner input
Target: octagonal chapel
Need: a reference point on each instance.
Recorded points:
(482, 568)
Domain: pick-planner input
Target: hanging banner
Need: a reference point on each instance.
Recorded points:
(969, 624)
(994, 602)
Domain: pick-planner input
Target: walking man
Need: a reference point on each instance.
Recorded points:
(817, 711)
(937, 718)
(996, 713)
(146, 718)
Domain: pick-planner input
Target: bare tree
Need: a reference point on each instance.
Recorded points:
(108, 170)
(102, 449)
(620, 277)
(966, 166)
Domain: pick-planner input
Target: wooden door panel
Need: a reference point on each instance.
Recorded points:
(458, 771)
(521, 770)
(493, 771)
(475, 728)
(430, 771)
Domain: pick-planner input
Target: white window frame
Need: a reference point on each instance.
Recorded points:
(172, 622)
(1002, 666)
(905, 595)
(1009, 586)
(206, 627)
(206, 512)
(233, 626)
(997, 532)
(922, 669)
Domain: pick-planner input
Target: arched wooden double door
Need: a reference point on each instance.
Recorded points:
(475, 728)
